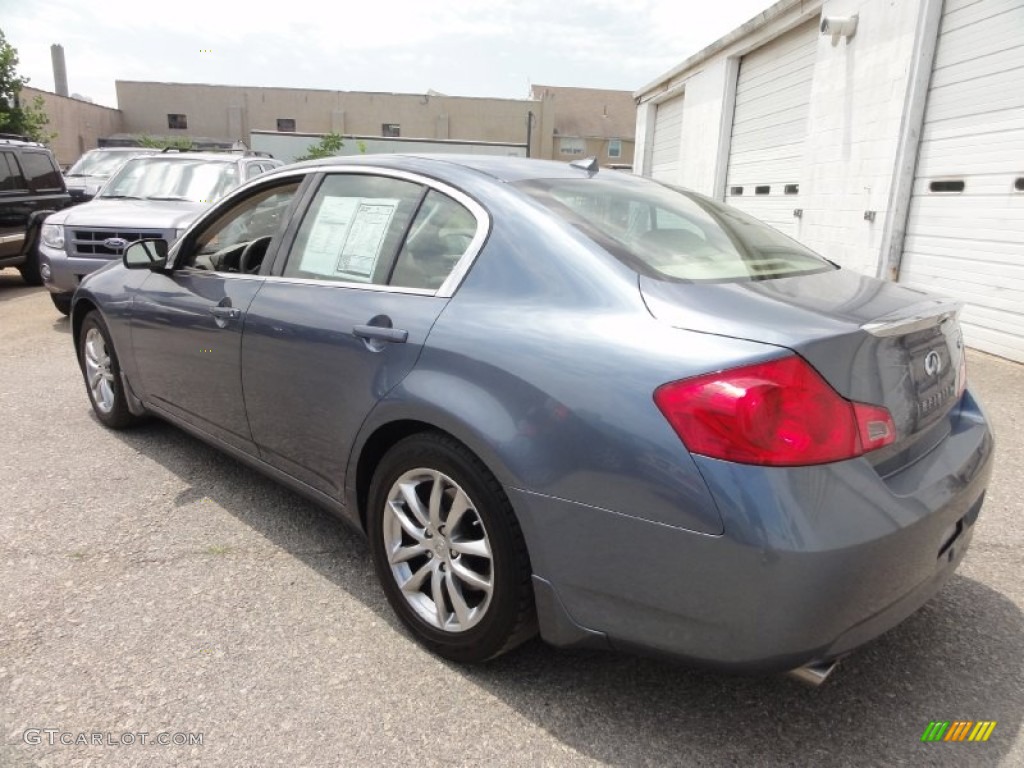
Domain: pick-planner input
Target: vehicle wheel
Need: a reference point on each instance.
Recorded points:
(102, 374)
(62, 301)
(448, 550)
(30, 269)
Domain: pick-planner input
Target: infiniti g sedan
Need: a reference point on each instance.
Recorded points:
(563, 401)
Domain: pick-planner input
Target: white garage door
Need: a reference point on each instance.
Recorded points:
(965, 231)
(668, 129)
(769, 127)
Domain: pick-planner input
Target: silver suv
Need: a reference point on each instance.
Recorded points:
(152, 196)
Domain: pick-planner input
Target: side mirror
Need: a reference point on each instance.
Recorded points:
(146, 254)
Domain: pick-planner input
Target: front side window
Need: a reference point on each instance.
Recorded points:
(249, 225)
(167, 178)
(41, 172)
(670, 234)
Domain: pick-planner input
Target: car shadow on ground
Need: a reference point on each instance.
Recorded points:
(956, 659)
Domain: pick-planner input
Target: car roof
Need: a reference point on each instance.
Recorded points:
(501, 168)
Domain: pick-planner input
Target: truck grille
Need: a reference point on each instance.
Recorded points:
(96, 243)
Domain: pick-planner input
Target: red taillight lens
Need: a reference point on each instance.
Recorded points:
(780, 413)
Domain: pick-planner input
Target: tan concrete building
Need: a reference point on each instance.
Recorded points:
(233, 112)
(78, 124)
(589, 122)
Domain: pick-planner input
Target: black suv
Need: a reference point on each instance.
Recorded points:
(31, 188)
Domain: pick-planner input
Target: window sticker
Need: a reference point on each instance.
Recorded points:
(347, 236)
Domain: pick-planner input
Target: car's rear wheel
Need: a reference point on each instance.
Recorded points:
(102, 373)
(62, 301)
(448, 550)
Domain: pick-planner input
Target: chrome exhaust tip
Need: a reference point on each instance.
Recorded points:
(813, 674)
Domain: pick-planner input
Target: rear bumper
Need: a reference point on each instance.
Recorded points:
(65, 272)
(814, 561)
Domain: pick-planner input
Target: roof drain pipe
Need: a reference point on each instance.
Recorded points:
(915, 102)
(813, 674)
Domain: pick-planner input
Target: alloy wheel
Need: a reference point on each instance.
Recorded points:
(98, 373)
(438, 550)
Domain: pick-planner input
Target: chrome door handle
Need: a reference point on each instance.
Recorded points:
(377, 333)
(226, 313)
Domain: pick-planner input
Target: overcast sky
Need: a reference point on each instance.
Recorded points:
(458, 47)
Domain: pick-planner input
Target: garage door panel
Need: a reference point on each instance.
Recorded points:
(996, 32)
(999, 92)
(770, 125)
(977, 66)
(794, 64)
(970, 244)
(668, 126)
(967, 125)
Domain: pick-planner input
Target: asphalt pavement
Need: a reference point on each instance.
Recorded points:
(153, 590)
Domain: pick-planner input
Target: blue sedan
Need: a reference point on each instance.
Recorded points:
(563, 400)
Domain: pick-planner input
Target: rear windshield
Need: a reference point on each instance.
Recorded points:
(100, 163)
(675, 235)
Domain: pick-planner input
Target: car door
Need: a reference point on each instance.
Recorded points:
(345, 317)
(187, 321)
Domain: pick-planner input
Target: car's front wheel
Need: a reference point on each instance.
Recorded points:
(102, 373)
(448, 550)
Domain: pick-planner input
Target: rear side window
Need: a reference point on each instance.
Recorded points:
(439, 236)
(674, 235)
(42, 173)
(11, 179)
(353, 229)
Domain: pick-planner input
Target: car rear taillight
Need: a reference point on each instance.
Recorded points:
(779, 413)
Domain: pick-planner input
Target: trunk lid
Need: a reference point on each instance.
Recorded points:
(873, 341)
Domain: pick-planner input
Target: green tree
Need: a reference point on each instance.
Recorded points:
(162, 142)
(328, 146)
(15, 117)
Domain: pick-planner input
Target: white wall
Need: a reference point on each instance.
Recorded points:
(857, 103)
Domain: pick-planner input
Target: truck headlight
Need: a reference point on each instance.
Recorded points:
(53, 236)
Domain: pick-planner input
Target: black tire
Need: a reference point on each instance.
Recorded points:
(115, 414)
(62, 302)
(30, 268)
(509, 618)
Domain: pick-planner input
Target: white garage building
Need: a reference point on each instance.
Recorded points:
(897, 151)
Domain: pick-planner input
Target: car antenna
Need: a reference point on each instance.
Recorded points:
(588, 164)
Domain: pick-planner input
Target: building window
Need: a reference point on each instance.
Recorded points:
(614, 148)
(179, 122)
(391, 129)
(286, 124)
(570, 146)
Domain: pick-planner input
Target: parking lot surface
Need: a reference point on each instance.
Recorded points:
(150, 585)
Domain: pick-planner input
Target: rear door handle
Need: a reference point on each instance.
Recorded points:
(226, 313)
(377, 333)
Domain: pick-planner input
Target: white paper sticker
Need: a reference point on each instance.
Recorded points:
(347, 237)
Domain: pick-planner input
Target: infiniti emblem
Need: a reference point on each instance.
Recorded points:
(115, 243)
(932, 363)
